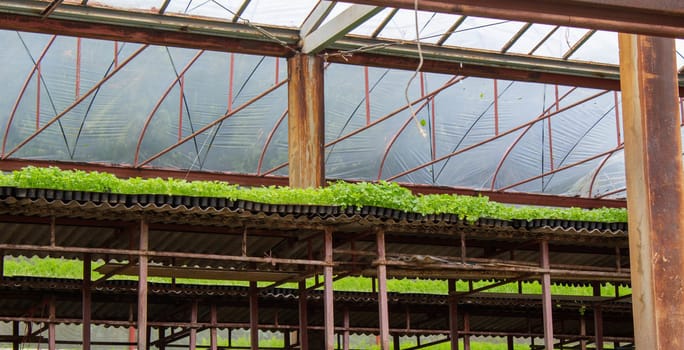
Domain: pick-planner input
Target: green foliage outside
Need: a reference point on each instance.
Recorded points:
(381, 194)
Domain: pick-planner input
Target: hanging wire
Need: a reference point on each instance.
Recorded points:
(416, 72)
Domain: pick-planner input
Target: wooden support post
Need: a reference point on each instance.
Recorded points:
(2, 265)
(253, 316)
(86, 303)
(162, 334)
(345, 338)
(213, 337)
(547, 306)
(653, 163)
(305, 121)
(15, 335)
(328, 297)
(382, 292)
(397, 342)
(598, 327)
(583, 332)
(466, 330)
(303, 317)
(142, 284)
(509, 342)
(193, 325)
(453, 315)
(286, 340)
(52, 336)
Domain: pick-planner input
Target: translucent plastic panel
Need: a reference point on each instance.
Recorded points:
(17, 70)
(464, 115)
(483, 33)
(346, 98)
(278, 12)
(472, 168)
(243, 131)
(560, 42)
(141, 5)
(235, 144)
(607, 177)
(220, 9)
(337, 9)
(430, 25)
(368, 27)
(602, 47)
(96, 100)
(572, 137)
(531, 38)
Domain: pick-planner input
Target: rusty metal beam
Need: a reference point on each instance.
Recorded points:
(142, 284)
(303, 331)
(476, 63)
(656, 188)
(547, 307)
(328, 297)
(213, 336)
(305, 121)
(253, 316)
(86, 303)
(52, 335)
(193, 328)
(660, 18)
(148, 28)
(453, 314)
(383, 309)
(598, 327)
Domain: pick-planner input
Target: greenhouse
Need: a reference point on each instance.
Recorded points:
(458, 174)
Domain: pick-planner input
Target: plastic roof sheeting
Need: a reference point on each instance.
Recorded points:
(531, 137)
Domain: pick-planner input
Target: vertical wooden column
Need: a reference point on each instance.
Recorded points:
(142, 284)
(345, 337)
(86, 303)
(305, 121)
(598, 327)
(193, 325)
(547, 306)
(253, 316)
(509, 342)
(583, 332)
(213, 337)
(453, 315)
(653, 162)
(52, 335)
(328, 296)
(466, 331)
(15, 335)
(161, 345)
(303, 317)
(382, 291)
